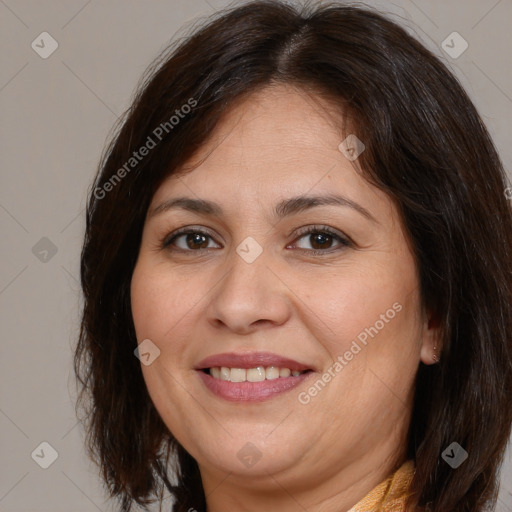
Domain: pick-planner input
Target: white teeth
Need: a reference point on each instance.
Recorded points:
(238, 375)
(257, 374)
(272, 373)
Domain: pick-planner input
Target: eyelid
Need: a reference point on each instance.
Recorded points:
(344, 240)
(169, 237)
(313, 228)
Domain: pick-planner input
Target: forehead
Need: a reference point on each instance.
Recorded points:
(278, 137)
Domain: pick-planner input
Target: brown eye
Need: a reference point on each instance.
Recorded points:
(196, 241)
(321, 239)
(188, 240)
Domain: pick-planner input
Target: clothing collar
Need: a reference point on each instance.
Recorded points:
(391, 494)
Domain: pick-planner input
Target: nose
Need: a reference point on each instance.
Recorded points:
(249, 296)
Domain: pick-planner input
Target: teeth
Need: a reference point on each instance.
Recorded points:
(257, 374)
(238, 375)
(272, 373)
(284, 372)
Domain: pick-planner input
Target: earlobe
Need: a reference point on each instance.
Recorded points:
(431, 346)
(430, 354)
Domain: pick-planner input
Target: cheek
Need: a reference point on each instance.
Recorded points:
(372, 324)
(145, 303)
(159, 312)
(160, 300)
(369, 307)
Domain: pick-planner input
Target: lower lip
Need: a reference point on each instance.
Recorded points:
(251, 391)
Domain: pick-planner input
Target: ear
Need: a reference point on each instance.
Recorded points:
(431, 342)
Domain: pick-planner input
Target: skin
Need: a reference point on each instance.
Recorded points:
(325, 455)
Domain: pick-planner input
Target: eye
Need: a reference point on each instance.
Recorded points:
(321, 239)
(191, 240)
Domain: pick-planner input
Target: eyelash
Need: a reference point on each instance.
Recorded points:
(344, 241)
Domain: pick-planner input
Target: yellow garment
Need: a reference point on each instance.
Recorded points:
(390, 495)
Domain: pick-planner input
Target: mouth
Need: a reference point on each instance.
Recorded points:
(258, 374)
(251, 377)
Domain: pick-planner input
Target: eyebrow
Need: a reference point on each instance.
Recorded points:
(283, 209)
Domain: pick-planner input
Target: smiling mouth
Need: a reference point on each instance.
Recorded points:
(251, 376)
(257, 384)
(256, 374)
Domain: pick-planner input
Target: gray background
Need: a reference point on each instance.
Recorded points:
(56, 114)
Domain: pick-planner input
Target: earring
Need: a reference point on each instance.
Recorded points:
(434, 357)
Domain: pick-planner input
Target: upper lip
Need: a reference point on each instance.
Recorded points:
(250, 360)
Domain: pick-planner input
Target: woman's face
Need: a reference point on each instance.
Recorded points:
(267, 285)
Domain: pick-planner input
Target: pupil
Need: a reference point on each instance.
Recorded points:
(321, 238)
(195, 238)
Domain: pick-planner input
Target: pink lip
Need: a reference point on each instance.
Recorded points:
(251, 391)
(250, 360)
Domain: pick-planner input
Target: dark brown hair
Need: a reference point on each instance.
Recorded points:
(426, 147)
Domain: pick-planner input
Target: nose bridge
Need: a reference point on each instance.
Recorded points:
(250, 292)
(249, 264)
(249, 277)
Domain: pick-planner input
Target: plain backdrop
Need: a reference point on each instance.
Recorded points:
(56, 114)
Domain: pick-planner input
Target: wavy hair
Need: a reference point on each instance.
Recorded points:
(426, 147)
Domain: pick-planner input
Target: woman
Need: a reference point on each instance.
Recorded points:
(301, 232)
